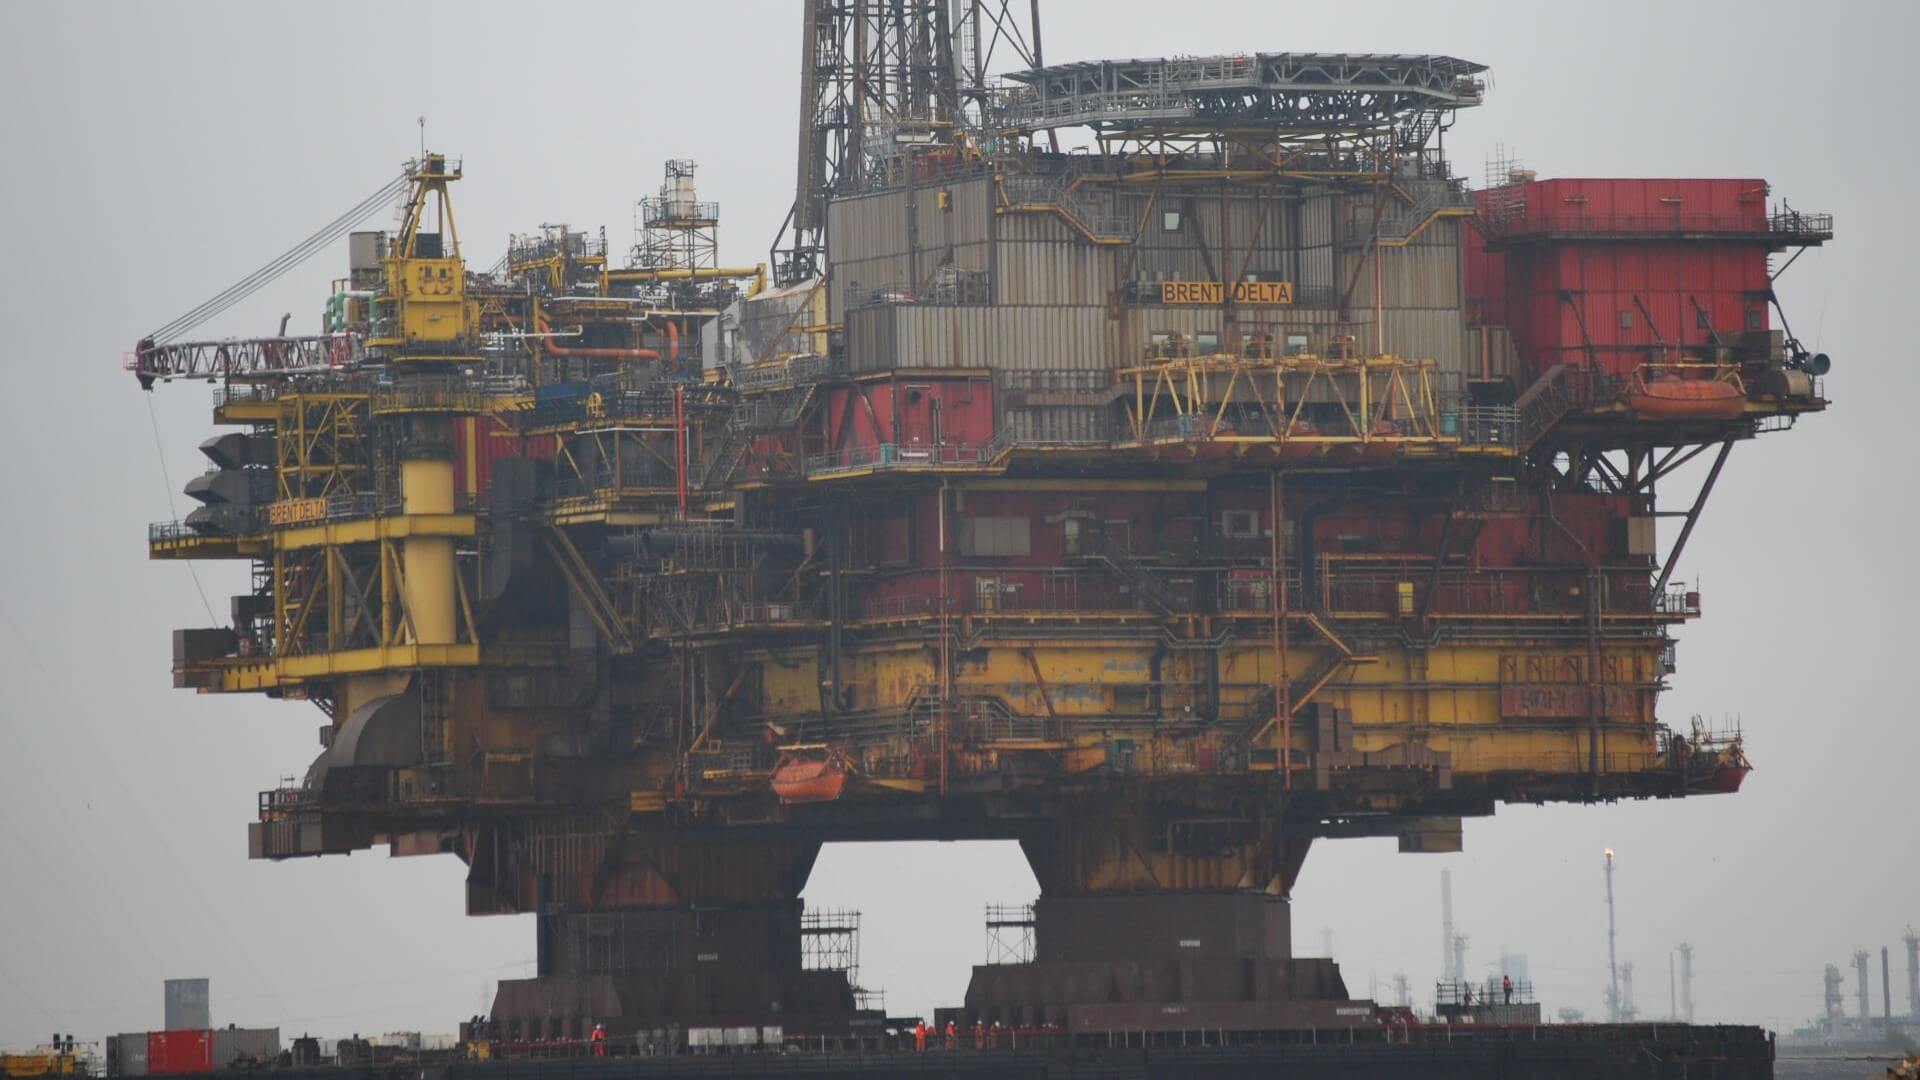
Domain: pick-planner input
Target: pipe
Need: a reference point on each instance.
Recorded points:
(680, 446)
(595, 353)
(603, 354)
(700, 273)
(673, 342)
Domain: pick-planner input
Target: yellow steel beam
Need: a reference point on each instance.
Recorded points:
(369, 530)
(210, 547)
(1169, 484)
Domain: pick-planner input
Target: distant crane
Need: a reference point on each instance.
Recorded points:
(1886, 988)
(1613, 967)
(1912, 941)
(1860, 959)
(1686, 981)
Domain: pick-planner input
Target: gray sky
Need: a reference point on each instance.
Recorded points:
(154, 153)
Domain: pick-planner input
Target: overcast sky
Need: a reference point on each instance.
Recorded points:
(150, 154)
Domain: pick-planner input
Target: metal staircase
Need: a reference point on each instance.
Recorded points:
(1133, 573)
(1046, 194)
(1551, 397)
(1304, 687)
(1429, 201)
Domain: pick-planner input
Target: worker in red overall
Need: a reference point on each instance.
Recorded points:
(950, 1034)
(920, 1035)
(1506, 987)
(599, 1040)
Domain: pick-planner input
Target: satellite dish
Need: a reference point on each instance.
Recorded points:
(1819, 364)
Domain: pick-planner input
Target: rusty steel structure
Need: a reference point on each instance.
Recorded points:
(1245, 481)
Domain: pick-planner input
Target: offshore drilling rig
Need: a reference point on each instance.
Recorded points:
(1236, 479)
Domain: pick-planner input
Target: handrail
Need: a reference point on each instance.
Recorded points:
(1519, 219)
(1048, 192)
(898, 456)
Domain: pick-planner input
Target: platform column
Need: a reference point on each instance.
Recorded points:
(1162, 918)
(426, 487)
(654, 934)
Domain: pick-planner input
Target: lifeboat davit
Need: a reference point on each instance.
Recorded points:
(1672, 398)
(809, 774)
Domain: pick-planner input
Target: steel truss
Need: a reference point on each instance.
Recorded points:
(238, 357)
(878, 78)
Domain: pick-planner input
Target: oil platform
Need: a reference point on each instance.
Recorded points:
(1235, 478)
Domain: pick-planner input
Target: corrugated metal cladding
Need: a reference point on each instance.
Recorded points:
(1260, 237)
(963, 220)
(929, 336)
(1410, 277)
(1316, 270)
(872, 246)
(899, 269)
(867, 226)
(1069, 271)
(1425, 335)
(1058, 424)
(1139, 324)
(1262, 222)
(1316, 219)
(1356, 224)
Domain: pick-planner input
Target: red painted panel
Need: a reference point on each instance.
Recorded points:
(1625, 204)
(479, 441)
(175, 1052)
(910, 413)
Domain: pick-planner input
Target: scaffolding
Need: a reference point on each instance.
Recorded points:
(830, 941)
(1009, 933)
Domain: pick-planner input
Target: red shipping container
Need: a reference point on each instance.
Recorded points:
(171, 1053)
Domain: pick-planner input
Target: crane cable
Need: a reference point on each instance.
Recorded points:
(299, 253)
(173, 512)
(294, 256)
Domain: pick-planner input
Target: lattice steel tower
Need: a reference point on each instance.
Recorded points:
(880, 80)
(674, 230)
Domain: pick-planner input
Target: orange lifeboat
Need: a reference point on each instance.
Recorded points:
(1382, 445)
(1308, 446)
(1726, 781)
(1671, 398)
(810, 774)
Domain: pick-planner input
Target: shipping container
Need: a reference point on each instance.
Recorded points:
(245, 1047)
(127, 1054)
(172, 1053)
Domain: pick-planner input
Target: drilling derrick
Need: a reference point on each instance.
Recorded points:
(1245, 481)
(877, 77)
